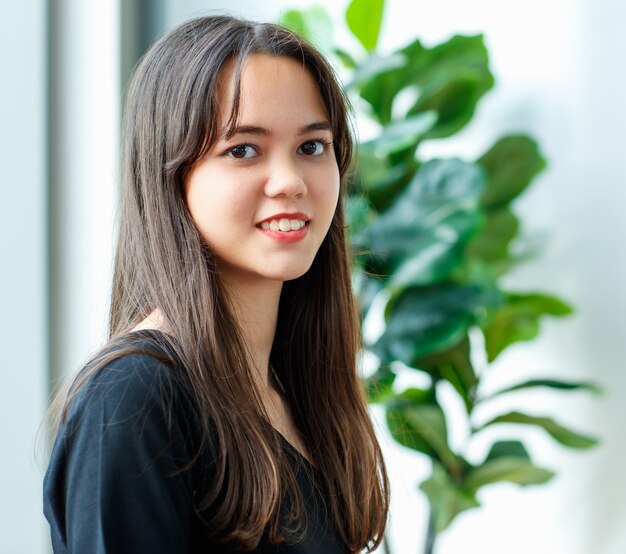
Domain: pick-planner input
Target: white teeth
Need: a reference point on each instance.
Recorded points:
(283, 224)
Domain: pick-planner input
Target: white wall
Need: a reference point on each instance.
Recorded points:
(84, 135)
(23, 312)
(58, 106)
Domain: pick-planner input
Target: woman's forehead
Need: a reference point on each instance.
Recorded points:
(262, 87)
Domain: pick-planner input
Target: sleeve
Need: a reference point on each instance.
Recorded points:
(114, 483)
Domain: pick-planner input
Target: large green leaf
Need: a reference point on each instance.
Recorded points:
(454, 365)
(447, 499)
(379, 387)
(372, 66)
(555, 430)
(507, 449)
(358, 214)
(518, 320)
(506, 461)
(457, 77)
(421, 238)
(402, 134)
(491, 244)
(381, 180)
(312, 23)
(454, 100)
(346, 58)
(380, 91)
(549, 383)
(375, 171)
(431, 263)
(425, 320)
(364, 18)
(515, 470)
(294, 20)
(511, 164)
(450, 78)
(416, 421)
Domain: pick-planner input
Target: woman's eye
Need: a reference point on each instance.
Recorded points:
(313, 147)
(242, 152)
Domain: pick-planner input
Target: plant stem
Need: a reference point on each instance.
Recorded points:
(431, 535)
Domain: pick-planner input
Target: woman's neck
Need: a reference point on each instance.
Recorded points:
(255, 305)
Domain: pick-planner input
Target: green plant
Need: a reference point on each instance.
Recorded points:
(434, 241)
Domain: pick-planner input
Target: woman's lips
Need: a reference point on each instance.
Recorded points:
(286, 236)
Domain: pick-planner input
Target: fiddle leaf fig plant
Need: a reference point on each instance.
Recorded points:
(434, 240)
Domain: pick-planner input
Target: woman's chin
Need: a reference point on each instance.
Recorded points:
(292, 274)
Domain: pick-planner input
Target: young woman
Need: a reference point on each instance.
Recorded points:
(225, 413)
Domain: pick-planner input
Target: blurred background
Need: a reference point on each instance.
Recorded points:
(559, 77)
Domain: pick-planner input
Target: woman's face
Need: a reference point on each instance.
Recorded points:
(264, 198)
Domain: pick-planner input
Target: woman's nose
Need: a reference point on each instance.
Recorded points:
(285, 179)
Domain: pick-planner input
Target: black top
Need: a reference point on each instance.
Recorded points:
(114, 483)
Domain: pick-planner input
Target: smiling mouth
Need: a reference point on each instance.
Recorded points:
(285, 225)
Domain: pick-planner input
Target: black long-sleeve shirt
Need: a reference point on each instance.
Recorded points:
(114, 483)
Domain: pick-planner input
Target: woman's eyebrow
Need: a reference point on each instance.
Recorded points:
(227, 134)
(317, 126)
(244, 130)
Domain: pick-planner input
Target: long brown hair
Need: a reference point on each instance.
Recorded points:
(162, 262)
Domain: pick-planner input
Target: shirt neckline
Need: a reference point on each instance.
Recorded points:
(295, 451)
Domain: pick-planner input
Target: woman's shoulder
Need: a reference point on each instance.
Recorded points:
(137, 375)
(130, 404)
(127, 435)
